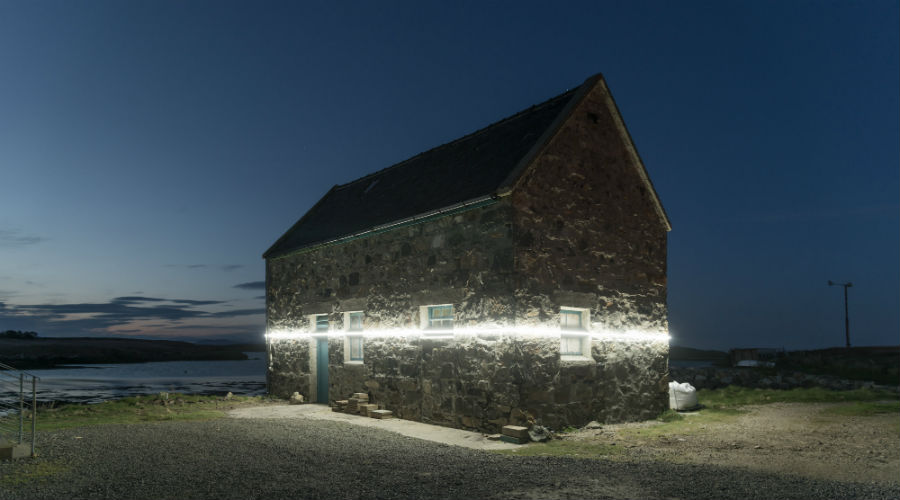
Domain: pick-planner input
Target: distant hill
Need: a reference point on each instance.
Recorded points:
(680, 353)
(30, 353)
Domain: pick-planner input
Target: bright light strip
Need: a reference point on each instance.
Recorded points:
(515, 331)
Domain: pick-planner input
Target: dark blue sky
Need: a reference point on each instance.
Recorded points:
(151, 151)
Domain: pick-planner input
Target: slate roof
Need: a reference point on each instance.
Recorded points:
(469, 168)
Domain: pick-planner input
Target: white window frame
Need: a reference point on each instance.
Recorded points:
(314, 323)
(572, 334)
(353, 335)
(426, 322)
(349, 342)
(349, 316)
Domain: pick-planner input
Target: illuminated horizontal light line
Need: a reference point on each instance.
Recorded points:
(516, 331)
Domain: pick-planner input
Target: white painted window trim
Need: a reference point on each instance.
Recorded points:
(348, 343)
(583, 334)
(349, 335)
(424, 324)
(314, 325)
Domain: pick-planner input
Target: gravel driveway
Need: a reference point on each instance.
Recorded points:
(273, 459)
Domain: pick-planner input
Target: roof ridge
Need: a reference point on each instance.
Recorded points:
(468, 136)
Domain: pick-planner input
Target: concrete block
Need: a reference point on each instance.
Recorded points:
(361, 396)
(381, 414)
(516, 431)
(364, 409)
(9, 451)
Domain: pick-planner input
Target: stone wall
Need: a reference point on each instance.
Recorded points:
(464, 259)
(485, 382)
(587, 231)
(709, 377)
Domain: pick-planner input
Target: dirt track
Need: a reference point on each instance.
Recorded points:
(786, 438)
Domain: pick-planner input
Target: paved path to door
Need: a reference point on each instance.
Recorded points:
(436, 433)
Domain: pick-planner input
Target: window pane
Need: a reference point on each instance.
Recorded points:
(571, 346)
(440, 317)
(322, 322)
(356, 321)
(356, 348)
(570, 320)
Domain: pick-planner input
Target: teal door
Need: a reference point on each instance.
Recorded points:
(322, 371)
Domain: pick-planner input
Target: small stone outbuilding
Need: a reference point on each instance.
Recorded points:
(515, 274)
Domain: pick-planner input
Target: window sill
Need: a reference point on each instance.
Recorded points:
(354, 362)
(437, 333)
(575, 360)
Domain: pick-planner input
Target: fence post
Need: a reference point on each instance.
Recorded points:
(21, 405)
(33, 413)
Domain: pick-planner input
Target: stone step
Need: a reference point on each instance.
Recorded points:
(364, 409)
(381, 414)
(516, 431)
(513, 440)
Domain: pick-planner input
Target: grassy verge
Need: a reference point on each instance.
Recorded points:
(720, 406)
(865, 408)
(739, 396)
(31, 472)
(153, 408)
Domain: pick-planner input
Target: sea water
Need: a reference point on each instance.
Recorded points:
(96, 383)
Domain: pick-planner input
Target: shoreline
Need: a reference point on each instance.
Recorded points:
(51, 353)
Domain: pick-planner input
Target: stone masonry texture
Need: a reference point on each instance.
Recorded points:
(579, 229)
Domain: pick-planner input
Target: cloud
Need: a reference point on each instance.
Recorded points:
(125, 314)
(252, 285)
(136, 299)
(225, 267)
(15, 238)
(237, 312)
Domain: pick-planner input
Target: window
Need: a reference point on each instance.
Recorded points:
(572, 345)
(440, 317)
(321, 322)
(570, 319)
(355, 347)
(574, 340)
(354, 321)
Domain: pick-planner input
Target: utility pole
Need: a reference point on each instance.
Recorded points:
(846, 313)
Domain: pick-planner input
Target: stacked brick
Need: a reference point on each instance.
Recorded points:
(359, 404)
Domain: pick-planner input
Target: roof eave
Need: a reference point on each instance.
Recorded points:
(422, 217)
(506, 187)
(268, 253)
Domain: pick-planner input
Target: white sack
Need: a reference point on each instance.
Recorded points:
(682, 396)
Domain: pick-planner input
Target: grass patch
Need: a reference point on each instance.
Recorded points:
(154, 408)
(681, 424)
(739, 396)
(864, 408)
(565, 448)
(669, 416)
(38, 471)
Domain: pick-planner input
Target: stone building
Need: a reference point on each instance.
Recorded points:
(516, 273)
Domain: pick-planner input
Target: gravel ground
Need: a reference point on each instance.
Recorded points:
(273, 459)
